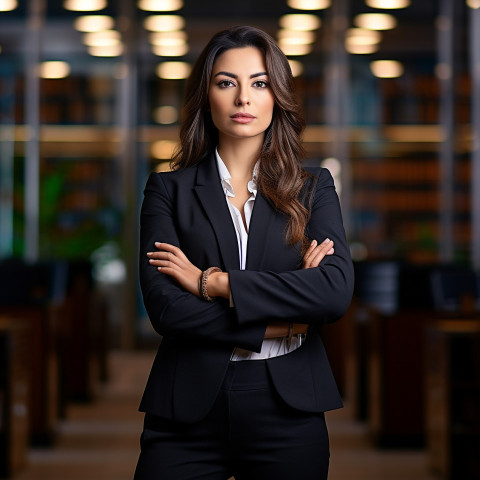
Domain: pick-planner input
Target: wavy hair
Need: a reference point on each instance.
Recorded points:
(280, 175)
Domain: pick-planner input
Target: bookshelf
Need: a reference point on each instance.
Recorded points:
(452, 398)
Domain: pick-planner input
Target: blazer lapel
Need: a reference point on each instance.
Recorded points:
(212, 199)
(260, 228)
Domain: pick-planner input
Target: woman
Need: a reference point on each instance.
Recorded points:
(238, 285)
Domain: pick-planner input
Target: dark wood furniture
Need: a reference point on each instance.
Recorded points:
(14, 396)
(395, 379)
(31, 294)
(453, 398)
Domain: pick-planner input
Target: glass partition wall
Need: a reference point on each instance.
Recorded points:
(393, 109)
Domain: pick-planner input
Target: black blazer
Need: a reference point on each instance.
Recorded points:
(187, 208)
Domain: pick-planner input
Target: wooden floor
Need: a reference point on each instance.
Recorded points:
(99, 441)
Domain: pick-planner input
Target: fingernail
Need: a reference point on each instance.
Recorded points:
(158, 243)
(326, 240)
(314, 242)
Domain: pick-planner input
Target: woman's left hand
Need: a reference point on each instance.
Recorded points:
(171, 261)
(316, 253)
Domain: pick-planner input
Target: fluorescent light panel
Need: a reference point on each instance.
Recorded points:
(362, 36)
(375, 21)
(294, 50)
(388, 4)
(104, 38)
(93, 23)
(160, 5)
(106, 51)
(170, 50)
(309, 4)
(8, 5)
(173, 70)
(85, 5)
(164, 23)
(295, 37)
(300, 21)
(386, 68)
(54, 69)
(165, 39)
(361, 49)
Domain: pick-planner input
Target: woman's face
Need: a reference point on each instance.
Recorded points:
(241, 100)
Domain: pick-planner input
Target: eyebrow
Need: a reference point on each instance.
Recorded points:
(232, 75)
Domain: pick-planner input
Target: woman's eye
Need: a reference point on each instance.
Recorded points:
(225, 83)
(261, 84)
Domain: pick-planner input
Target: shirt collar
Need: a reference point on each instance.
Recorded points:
(225, 177)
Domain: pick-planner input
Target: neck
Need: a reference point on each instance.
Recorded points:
(239, 156)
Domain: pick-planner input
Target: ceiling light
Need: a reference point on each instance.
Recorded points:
(8, 5)
(54, 69)
(170, 50)
(93, 23)
(309, 4)
(360, 49)
(362, 36)
(160, 5)
(473, 4)
(387, 4)
(375, 21)
(85, 5)
(168, 38)
(105, 38)
(295, 37)
(296, 67)
(173, 70)
(164, 23)
(106, 51)
(165, 115)
(386, 68)
(300, 21)
(294, 50)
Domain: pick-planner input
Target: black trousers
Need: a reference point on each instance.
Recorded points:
(250, 434)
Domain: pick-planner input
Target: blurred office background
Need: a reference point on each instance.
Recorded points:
(90, 98)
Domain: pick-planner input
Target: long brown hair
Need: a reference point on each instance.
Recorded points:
(280, 175)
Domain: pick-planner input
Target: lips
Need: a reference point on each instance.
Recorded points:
(242, 117)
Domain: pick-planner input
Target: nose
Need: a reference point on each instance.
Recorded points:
(242, 98)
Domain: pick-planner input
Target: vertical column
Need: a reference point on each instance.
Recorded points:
(445, 26)
(7, 120)
(475, 185)
(35, 21)
(337, 98)
(127, 102)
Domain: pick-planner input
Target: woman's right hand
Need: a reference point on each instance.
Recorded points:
(312, 258)
(316, 252)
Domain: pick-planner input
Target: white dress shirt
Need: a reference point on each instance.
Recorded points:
(271, 347)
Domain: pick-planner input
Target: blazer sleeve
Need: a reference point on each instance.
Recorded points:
(172, 310)
(314, 295)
